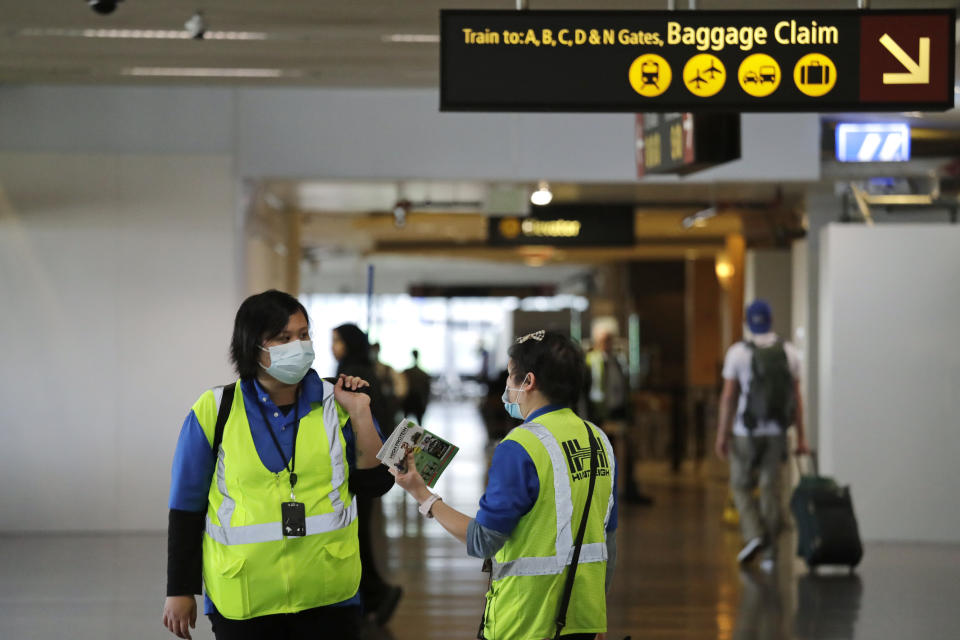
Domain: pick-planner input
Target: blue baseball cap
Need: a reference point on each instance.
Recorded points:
(759, 317)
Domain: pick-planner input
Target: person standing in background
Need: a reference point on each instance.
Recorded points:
(609, 407)
(391, 388)
(418, 389)
(352, 351)
(759, 402)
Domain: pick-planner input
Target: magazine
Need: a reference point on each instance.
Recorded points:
(431, 452)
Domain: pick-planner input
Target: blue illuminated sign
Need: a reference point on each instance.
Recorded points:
(873, 142)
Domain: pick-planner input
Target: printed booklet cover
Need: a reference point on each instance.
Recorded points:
(431, 452)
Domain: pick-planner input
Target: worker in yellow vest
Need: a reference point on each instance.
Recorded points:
(263, 485)
(610, 407)
(539, 487)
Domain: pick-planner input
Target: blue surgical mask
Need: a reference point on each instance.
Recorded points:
(513, 408)
(290, 362)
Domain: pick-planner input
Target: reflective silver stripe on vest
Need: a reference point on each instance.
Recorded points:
(271, 531)
(613, 473)
(553, 565)
(548, 565)
(331, 425)
(217, 396)
(225, 512)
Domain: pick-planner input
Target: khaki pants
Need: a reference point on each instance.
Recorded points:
(757, 461)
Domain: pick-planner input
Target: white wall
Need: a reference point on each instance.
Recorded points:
(118, 285)
(890, 376)
(768, 276)
(798, 325)
(379, 133)
(372, 134)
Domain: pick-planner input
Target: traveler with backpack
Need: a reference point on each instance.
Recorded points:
(760, 400)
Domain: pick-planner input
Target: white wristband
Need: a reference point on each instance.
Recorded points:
(427, 504)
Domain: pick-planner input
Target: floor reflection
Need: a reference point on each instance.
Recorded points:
(760, 615)
(676, 576)
(828, 606)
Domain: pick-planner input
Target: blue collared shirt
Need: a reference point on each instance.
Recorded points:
(194, 460)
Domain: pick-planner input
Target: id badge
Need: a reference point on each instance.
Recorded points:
(294, 518)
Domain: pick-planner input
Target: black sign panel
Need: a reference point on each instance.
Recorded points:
(640, 61)
(682, 143)
(566, 225)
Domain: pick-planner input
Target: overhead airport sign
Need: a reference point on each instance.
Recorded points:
(642, 61)
(566, 225)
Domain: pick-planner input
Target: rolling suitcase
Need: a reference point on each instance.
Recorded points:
(827, 530)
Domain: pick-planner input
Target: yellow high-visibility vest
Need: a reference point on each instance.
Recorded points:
(250, 568)
(530, 570)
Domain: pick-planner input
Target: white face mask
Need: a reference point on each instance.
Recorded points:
(290, 362)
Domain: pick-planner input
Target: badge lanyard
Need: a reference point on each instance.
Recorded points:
(293, 517)
(293, 456)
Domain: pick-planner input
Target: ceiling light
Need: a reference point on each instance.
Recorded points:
(724, 269)
(208, 72)
(417, 38)
(542, 196)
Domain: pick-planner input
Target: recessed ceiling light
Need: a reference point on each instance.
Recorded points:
(419, 38)
(542, 196)
(208, 72)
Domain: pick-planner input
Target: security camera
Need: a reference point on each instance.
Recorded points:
(103, 6)
(196, 26)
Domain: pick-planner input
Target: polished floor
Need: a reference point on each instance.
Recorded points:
(676, 577)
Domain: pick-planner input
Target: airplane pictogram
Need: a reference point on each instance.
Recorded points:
(697, 80)
(712, 70)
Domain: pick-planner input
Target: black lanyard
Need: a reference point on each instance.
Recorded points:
(276, 442)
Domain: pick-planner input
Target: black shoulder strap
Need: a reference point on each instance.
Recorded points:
(572, 571)
(223, 413)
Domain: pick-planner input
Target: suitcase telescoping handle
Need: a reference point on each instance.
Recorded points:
(813, 463)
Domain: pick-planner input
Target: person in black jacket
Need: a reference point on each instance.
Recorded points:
(351, 349)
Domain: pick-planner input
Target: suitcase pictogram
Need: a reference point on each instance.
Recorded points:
(815, 73)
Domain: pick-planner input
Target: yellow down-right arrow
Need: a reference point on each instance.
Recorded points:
(917, 72)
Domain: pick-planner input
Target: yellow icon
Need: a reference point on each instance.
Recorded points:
(704, 75)
(759, 75)
(509, 228)
(650, 75)
(815, 74)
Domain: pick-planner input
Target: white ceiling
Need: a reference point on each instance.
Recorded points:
(304, 42)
